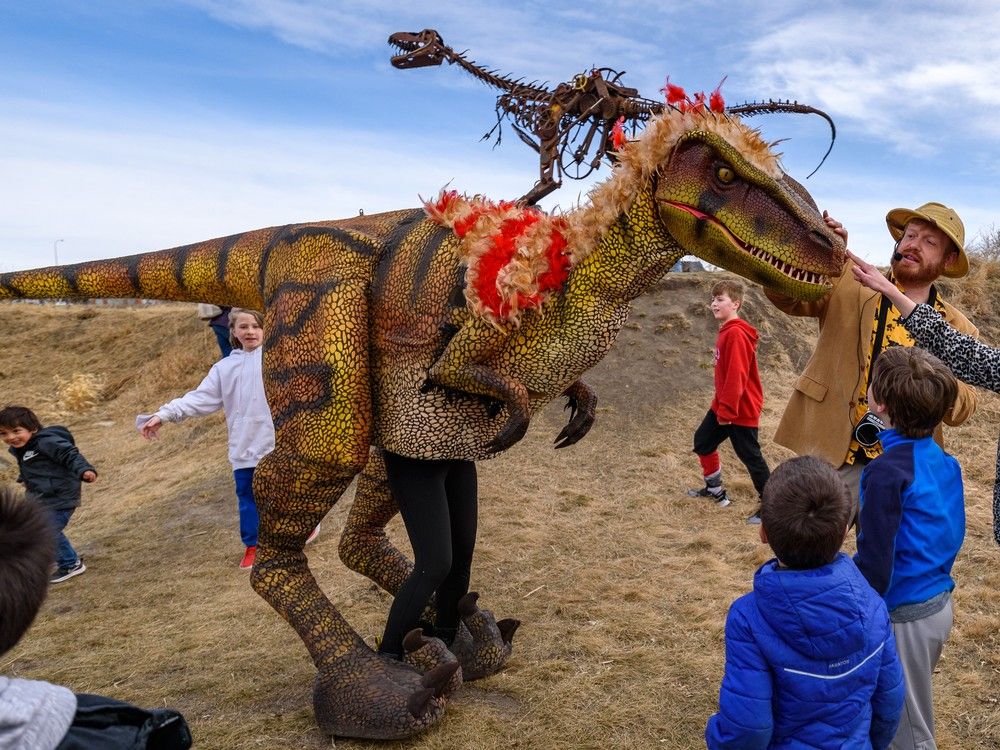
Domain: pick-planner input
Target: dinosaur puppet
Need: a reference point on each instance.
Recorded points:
(438, 332)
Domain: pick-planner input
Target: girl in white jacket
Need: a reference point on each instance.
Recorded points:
(236, 385)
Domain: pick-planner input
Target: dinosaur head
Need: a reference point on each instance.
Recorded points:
(419, 49)
(721, 194)
(738, 210)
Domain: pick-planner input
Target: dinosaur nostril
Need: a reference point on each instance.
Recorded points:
(821, 238)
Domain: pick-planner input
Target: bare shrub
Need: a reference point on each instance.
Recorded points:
(986, 244)
(78, 392)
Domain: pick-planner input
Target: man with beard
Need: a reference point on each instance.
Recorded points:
(855, 325)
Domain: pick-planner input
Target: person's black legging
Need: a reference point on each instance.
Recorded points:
(437, 500)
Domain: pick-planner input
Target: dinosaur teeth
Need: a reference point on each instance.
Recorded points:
(796, 274)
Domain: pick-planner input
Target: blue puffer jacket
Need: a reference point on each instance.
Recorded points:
(810, 663)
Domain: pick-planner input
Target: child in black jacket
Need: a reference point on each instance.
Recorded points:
(51, 469)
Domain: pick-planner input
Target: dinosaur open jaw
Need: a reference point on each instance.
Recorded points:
(796, 274)
(417, 49)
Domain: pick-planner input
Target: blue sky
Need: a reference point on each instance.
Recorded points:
(132, 126)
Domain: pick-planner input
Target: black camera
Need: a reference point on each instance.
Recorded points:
(867, 429)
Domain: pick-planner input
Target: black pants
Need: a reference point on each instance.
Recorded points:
(710, 435)
(438, 503)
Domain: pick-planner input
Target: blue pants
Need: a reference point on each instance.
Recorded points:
(249, 520)
(66, 556)
(222, 336)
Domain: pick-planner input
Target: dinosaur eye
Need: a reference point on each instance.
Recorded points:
(725, 174)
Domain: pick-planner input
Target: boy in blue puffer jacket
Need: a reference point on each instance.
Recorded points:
(810, 655)
(912, 522)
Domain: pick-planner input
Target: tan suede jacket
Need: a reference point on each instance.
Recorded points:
(818, 418)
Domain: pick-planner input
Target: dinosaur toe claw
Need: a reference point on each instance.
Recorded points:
(507, 627)
(467, 604)
(441, 668)
(419, 703)
(439, 679)
(413, 640)
(481, 644)
(364, 695)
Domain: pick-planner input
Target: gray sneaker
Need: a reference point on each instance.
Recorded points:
(721, 499)
(754, 518)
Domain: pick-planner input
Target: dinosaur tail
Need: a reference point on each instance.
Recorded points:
(223, 271)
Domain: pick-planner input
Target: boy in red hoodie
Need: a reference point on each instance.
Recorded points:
(735, 410)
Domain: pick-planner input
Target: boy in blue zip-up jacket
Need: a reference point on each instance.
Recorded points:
(810, 656)
(912, 522)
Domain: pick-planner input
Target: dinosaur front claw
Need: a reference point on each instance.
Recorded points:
(482, 644)
(582, 403)
(512, 431)
(364, 695)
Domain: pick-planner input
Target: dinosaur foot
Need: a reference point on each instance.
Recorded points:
(366, 695)
(427, 654)
(482, 644)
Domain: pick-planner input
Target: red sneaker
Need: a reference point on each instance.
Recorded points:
(248, 557)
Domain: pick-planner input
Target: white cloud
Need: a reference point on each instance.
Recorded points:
(887, 73)
(520, 39)
(148, 187)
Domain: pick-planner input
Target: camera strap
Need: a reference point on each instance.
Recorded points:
(878, 340)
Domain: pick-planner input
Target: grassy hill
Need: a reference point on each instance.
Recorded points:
(622, 581)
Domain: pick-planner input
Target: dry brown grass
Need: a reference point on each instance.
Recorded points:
(622, 582)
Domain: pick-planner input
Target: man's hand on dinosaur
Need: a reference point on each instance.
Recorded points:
(835, 225)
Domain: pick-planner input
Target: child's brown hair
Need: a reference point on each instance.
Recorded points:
(915, 387)
(731, 288)
(805, 511)
(12, 417)
(27, 552)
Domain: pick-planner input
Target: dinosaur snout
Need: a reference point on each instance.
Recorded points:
(420, 49)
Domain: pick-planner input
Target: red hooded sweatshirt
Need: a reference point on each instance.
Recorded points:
(738, 394)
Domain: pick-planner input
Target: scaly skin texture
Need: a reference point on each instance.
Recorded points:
(370, 343)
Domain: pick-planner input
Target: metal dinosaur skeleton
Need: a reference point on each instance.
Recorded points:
(571, 127)
(379, 335)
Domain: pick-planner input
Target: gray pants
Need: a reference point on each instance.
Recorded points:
(851, 474)
(919, 644)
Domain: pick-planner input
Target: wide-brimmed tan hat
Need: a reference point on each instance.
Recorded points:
(944, 219)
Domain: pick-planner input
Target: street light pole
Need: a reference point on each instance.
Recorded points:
(55, 250)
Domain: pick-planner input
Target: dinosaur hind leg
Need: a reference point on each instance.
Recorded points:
(316, 379)
(364, 546)
(357, 693)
